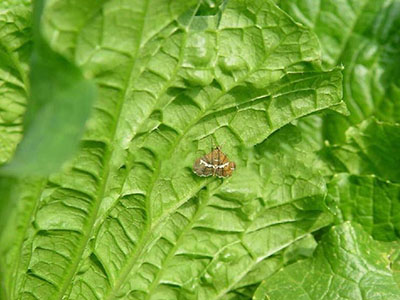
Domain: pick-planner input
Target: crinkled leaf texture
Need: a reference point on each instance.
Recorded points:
(15, 48)
(348, 264)
(59, 104)
(368, 200)
(128, 219)
(363, 36)
(371, 148)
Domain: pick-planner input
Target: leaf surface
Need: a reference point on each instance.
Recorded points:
(371, 148)
(347, 264)
(59, 104)
(128, 218)
(368, 200)
(15, 48)
(300, 249)
(363, 36)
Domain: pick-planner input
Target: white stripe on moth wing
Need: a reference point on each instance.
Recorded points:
(222, 166)
(201, 175)
(212, 166)
(206, 164)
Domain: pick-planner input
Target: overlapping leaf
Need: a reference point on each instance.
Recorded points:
(363, 36)
(15, 47)
(372, 202)
(348, 264)
(59, 104)
(128, 219)
(301, 249)
(371, 148)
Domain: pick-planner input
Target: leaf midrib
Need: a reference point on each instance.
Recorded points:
(143, 241)
(106, 172)
(108, 155)
(13, 290)
(106, 163)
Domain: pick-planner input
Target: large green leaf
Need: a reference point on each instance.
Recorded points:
(59, 104)
(128, 218)
(11, 4)
(395, 262)
(300, 249)
(371, 148)
(15, 48)
(362, 35)
(347, 264)
(372, 202)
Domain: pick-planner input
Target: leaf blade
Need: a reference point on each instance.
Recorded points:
(59, 95)
(156, 112)
(347, 262)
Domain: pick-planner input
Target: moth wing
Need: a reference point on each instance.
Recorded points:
(220, 172)
(223, 159)
(202, 169)
(214, 163)
(210, 157)
(227, 170)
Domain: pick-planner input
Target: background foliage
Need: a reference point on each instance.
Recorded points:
(105, 105)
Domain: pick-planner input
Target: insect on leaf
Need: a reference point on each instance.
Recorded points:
(215, 163)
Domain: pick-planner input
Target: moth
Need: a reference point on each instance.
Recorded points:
(215, 163)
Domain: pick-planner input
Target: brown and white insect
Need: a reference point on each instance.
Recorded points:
(215, 163)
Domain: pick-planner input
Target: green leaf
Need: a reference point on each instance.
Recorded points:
(18, 214)
(371, 202)
(347, 264)
(363, 36)
(127, 218)
(395, 261)
(59, 105)
(12, 4)
(15, 49)
(300, 249)
(371, 148)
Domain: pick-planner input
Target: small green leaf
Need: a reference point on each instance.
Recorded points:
(347, 264)
(59, 105)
